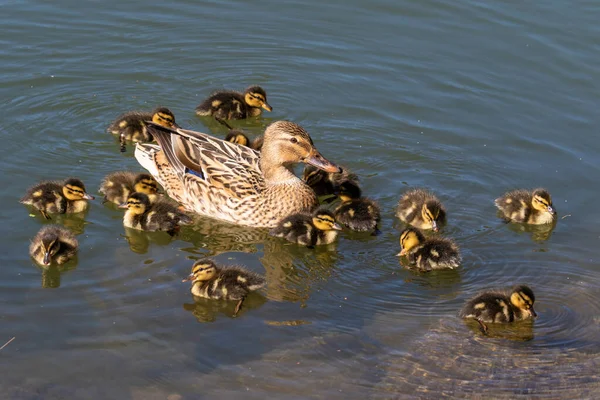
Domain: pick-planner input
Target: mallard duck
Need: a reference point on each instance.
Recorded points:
(223, 282)
(239, 137)
(58, 197)
(308, 230)
(530, 207)
(325, 183)
(421, 209)
(235, 105)
(233, 183)
(500, 306)
(428, 254)
(143, 215)
(53, 244)
(356, 212)
(132, 125)
(117, 186)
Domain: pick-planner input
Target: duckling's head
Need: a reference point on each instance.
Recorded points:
(542, 201)
(348, 191)
(237, 137)
(287, 143)
(202, 270)
(145, 183)
(50, 246)
(523, 298)
(163, 116)
(74, 189)
(409, 239)
(324, 220)
(431, 212)
(255, 96)
(137, 203)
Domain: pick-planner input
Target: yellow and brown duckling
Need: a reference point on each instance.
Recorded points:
(143, 215)
(53, 244)
(500, 306)
(428, 254)
(53, 197)
(117, 186)
(308, 230)
(421, 209)
(530, 207)
(235, 105)
(324, 183)
(223, 282)
(237, 136)
(131, 126)
(357, 213)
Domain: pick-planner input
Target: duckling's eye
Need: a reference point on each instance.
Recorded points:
(294, 140)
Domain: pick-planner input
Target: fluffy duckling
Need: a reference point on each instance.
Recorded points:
(324, 183)
(53, 244)
(239, 137)
(223, 283)
(356, 212)
(500, 306)
(141, 214)
(132, 125)
(530, 207)
(308, 230)
(117, 186)
(428, 254)
(58, 197)
(235, 105)
(421, 209)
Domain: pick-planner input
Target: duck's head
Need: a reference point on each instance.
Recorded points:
(523, 298)
(163, 116)
(409, 239)
(237, 137)
(431, 212)
(145, 183)
(202, 270)
(348, 191)
(287, 143)
(137, 203)
(50, 246)
(542, 201)
(324, 220)
(73, 189)
(255, 96)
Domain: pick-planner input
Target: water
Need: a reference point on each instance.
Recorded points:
(469, 99)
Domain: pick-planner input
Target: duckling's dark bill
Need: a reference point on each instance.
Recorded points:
(317, 160)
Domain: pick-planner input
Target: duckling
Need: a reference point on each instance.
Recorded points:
(428, 254)
(530, 207)
(421, 209)
(58, 197)
(324, 183)
(500, 306)
(141, 214)
(53, 244)
(132, 125)
(239, 137)
(356, 212)
(223, 283)
(308, 230)
(235, 105)
(117, 186)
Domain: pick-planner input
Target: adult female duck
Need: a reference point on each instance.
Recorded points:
(234, 183)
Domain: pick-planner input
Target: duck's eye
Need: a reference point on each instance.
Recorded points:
(294, 140)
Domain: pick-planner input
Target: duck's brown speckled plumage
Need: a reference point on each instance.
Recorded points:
(234, 183)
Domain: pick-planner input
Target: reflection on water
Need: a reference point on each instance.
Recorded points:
(207, 310)
(51, 274)
(538, 233)
(139, 241)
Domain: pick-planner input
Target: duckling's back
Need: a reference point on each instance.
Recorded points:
(515, 205)
(489, 307)
(296, 228)
(163, 216)
(223, 104)
(231, 283)
(359, 215)
(436, 253)
(46, 196)
(131, 126)
(117, 186)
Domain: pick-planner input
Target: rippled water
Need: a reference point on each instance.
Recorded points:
(469, 99)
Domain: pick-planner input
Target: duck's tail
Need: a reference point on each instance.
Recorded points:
(144, 154)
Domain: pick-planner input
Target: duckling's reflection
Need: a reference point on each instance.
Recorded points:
(207, 310)
(447, 278)
(520, 331)
(139, 241)
(539, 233)
(291, 269)
(51, 275)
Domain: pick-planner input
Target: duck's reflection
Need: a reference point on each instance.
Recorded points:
(51, 274)
(207, 310)
(520, 331)
(538, 233)
(139, 241)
